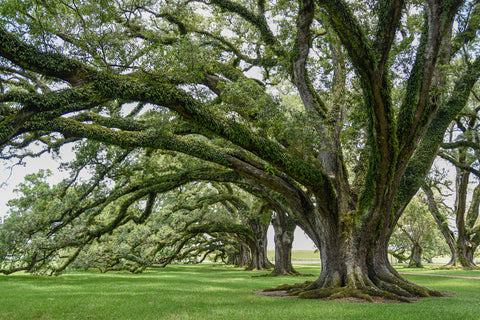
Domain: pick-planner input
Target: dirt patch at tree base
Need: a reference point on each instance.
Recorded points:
(276, 294)
(284, 275)
(284, 294)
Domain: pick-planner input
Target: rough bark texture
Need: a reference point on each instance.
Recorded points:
(284, 228)
(350, 226)
(355, 271)
(239, 257)
(462, 245)
(416, 256)
(258, 248)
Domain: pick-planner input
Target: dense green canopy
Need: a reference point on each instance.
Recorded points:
(333, 110)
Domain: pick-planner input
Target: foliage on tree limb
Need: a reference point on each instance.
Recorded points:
(384, 75)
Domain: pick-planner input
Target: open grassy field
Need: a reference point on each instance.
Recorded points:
(213, 292)
(298, 255)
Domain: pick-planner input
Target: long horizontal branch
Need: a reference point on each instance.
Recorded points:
(238, 229)
(129, 88)
(50, 64)
(43, 107)
(458, 164)
(208, 201)
(155, 186)
(461, 143)
(164, 140)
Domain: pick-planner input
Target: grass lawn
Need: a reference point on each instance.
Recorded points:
(212, 292)
(298, 255)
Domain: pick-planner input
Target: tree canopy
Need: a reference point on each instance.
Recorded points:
(332, 110)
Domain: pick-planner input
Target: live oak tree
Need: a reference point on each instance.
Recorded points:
(24, 243)
(459, 221)
(417, 237)
(183, 220)
(462, 235)
(84, 220)
(374, 70)
(49, 227)
(231, 211)
(284, 228)
(161, 240)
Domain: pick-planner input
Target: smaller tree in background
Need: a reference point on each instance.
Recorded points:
(416, 234)
(131, 223)
(29, 238)
(459, 221)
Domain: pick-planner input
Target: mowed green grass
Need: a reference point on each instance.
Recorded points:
(211, 292)
(298, 255)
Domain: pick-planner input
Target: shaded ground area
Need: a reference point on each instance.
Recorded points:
(284, 294)
(375, 299)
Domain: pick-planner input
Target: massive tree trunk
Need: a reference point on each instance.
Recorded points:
(465, 220)
(350, 225)
(284, 228)
(258, 248)
(355, 263)
(240, 256)
(465, 251)
(462, 257)
(416, 256)
(469, 255)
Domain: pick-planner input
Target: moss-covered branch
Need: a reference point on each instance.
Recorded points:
(47, 63)
(130, 88)
(461, 143)
(259, 21)
(239, 229)
(310, 98)
(473, 210)
(210, 200)
(421, 161)
(42, 107)
(112, 122)
(416, 111)
(469, 33)
(459, 164)
(389, 16)
(352, 36)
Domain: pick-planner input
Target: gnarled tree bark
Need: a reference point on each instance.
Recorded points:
(283, 228)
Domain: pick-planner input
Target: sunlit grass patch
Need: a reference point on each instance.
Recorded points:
(298, 255)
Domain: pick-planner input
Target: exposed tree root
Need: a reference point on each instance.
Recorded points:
(277, 272)
(452, 266)
(335, 293)
(290, 287)
(307, 290)
(293, 274)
